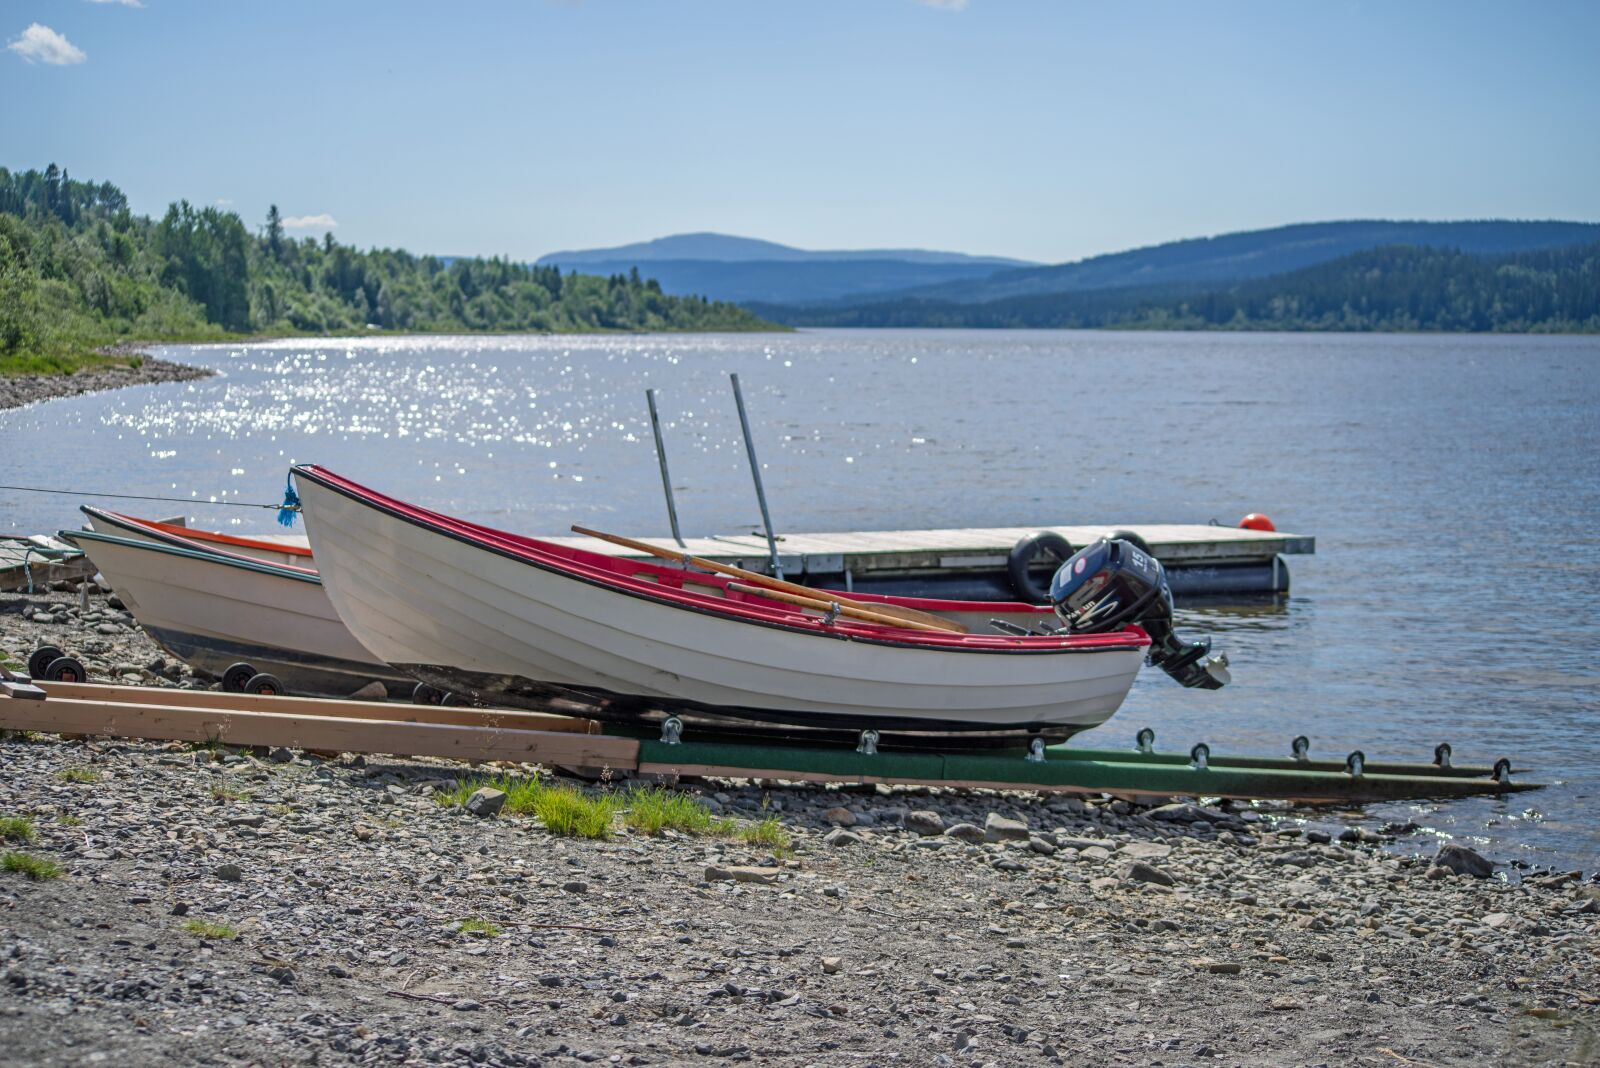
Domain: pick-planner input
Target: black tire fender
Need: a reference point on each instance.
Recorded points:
(1132, 538)
(1023, 554)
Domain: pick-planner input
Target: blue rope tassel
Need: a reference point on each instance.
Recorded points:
(291, 503)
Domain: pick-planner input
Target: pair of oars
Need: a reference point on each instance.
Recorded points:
(887, 615)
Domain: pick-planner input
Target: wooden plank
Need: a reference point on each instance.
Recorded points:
(64, 715)
(314, 706)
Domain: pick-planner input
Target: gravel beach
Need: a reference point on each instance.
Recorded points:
(274, 908)
(18, 390)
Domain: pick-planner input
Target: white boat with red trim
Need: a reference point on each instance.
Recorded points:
(514, 620)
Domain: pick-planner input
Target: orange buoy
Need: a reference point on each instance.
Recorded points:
(1256, 521)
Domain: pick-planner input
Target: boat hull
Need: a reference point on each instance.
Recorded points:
(211, 612)
(510, 626)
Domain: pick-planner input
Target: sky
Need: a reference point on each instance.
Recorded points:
(1048, 130)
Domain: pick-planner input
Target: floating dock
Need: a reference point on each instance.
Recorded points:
(971, 563)
(488, 734)
(968, 564)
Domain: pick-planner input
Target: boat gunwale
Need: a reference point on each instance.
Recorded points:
(528, 551)
(211, 556)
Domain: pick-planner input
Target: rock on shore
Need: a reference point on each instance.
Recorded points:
(18, 390)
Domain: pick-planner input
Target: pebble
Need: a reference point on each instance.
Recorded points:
(1463, 861)
(997, 828)
(486, 802)
(840, 817)
(924, 822)
(1140, 872)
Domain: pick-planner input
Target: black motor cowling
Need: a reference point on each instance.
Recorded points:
(1112, 583)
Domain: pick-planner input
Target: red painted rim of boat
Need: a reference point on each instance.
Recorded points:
(601, 570)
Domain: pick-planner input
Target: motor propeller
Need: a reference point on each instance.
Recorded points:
(1112, 583)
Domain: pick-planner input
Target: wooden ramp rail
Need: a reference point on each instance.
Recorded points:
(306, 723)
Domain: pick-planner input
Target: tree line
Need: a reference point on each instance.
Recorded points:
(1393, 288)
(78, 269)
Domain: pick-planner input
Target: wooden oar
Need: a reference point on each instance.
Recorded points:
(821, 604)
(908, 615)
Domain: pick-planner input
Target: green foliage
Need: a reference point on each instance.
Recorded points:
(217, 932)
(17, 829)
(564, 810)
(651, 810)
(767, 832)
(36, 868)
(1392, 288)
(79, 774)
(481, 928)
(78, 270)
(568, 811)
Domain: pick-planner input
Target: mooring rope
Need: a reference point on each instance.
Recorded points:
(141, 497)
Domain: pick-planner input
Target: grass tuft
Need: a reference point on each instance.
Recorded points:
(219, 932)
(767, 832)
(568, 811)
(37, 868)
(221, 791)
(79, 774)
(564, 810)
(17, 829)
(652, 810)
(69, 820)
(482, 928)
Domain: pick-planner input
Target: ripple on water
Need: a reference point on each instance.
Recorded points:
(1453, 484)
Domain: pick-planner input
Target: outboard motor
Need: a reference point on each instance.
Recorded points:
(1112, 583)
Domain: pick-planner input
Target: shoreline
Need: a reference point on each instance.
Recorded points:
(214, 903)
(18, 391)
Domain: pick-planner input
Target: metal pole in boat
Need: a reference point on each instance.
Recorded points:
(755, 473)
(666, 479)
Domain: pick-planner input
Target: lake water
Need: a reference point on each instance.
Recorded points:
(1453, 485)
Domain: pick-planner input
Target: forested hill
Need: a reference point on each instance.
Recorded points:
(1239, 257)
(1393, 288)
(78, 270)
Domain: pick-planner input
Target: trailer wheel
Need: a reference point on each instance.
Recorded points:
(65, 669)
(234, 679)
(424, 694)
(264, 685)
(1046, 542)
(41, 658)
(455, 700)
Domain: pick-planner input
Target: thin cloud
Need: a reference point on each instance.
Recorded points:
(945, 5)
(308, 222)
(122, 3)
(41, 44)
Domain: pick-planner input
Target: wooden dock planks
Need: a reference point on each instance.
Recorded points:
(971, 547)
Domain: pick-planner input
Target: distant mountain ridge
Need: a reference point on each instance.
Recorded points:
(727, 248)
(1259, 254)
(1391, 288)
(770, 275)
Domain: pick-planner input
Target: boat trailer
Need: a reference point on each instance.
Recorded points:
(476, 734)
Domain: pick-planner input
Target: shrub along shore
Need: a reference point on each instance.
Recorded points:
(78, 271)
(202, 904)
